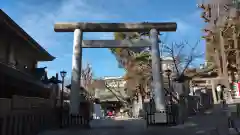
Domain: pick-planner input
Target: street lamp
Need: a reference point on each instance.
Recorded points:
(172, 117)
(63, 75)
(168, 73)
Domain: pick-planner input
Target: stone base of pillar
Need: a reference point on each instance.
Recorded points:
(160, 117)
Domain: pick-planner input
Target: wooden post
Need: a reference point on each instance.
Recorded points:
(223, 58)
(235, 38)
(218, 59)
(76, 72)
(238, 110)
(4, 125)
(213, 91)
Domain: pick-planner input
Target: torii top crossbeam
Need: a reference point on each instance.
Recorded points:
(115, 27)
(152, 28)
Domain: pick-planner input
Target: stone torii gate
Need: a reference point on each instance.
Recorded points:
(154, 28)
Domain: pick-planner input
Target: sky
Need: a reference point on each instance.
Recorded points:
(37, 18)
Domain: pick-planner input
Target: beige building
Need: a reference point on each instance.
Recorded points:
(110, 89)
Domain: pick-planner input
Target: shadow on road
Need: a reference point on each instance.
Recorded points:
(209, 123)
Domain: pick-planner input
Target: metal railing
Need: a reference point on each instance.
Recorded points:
(172, 116)
(177, 112)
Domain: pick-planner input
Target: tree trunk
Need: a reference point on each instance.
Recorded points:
(137, 106)
(183, 103)
(134, 108)
(140, 104)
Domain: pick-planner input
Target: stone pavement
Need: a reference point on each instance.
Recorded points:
(206, 124)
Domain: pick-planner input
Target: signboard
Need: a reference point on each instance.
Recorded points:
(236, 89)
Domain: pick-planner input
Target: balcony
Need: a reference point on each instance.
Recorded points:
(24, 74)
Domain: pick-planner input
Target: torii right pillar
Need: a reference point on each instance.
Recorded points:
(158, 84)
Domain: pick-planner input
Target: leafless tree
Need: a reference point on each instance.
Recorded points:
(86, 81)
(117, 88)
(184, 55)
(114, 87)
(86, 76)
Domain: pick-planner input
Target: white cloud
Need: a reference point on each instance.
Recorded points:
(183, 26)
(39, 23)
(188, 28)
(188, 22)
(99, 36)
(107, 35)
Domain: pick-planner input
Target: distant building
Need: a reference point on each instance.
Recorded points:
(19, 56)
(110, 89)
(222, 40)
(111, 92)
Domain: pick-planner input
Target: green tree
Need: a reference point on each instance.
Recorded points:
(137, 65)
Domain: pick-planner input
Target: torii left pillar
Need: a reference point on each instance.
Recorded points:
(75, 96)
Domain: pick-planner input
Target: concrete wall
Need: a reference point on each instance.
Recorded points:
(20, 103)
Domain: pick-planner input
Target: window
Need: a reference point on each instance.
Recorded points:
(208, 81)
(164, 66)
(236, 3)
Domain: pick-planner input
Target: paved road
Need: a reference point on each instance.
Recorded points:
(206, 124)
(195, 125)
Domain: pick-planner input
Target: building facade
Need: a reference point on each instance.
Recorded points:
(111, 89)
(19, 56)
(222, 39)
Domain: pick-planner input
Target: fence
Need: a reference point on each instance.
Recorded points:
(199, 103)
(33, 122)
(74, 120)
(177, 114)
(172, 115)
(27, 122)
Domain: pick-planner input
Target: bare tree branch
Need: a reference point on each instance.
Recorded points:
(86, 75)
(114, 89)
(182, 58)
(190, 57)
